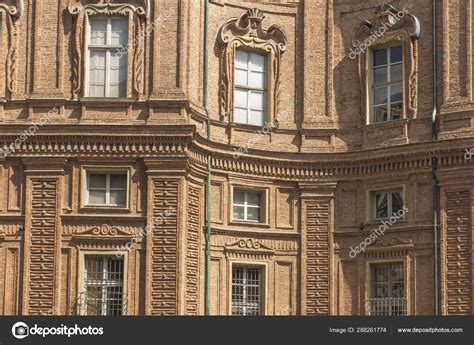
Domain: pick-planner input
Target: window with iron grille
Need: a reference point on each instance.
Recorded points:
(246, 290)
(387, 289)
(249, 91)
(387, 85)
(107, 69)
(103, 286)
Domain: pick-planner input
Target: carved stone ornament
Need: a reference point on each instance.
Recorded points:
(391, 24)
(247, 32)
(13, 15)
(103, 231)
(248, 244)
(135, 49)
(390, 242)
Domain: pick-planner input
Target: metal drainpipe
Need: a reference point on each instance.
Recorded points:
(209, 158)
(434, 164)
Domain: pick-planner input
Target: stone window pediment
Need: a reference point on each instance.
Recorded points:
(247, 33)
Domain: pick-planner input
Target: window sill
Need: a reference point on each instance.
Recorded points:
(105, 209)
(107, 100)
(243, 127)
(249, 223)
(389, 123)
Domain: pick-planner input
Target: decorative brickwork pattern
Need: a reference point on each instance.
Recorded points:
(164, 248)
(317, 264)
(192, 251)
(42, 247)
(458, 252)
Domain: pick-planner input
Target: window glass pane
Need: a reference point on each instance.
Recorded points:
(240, 115)
(119, 34)
(241, 98)
(256, 100)
(118, 181)
(396, 73)
(396, 111)
(97, 74)
(381, 205)
(257, 80)
(253, 213)
(380, 113)
(239, 197)
(397, 202)
(241, 77)
(395, 54)
(98, 34)
(241, 59)
(239, 212)
(256, 118)
(97, 197)
(380, 75)
(253, 199)
(118, 76)
(257, 62)
(380, 57)
(97, 181)
(380, 96)
(396, 93)
(118, 197)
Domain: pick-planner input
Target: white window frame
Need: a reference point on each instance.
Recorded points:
(389, 84)
(83, 272)
(373, 201)
(249, 89)
(107, 188)
(245, 205)
(109, 49)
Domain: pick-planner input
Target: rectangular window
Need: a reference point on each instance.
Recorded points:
(387, 289)
(103, 286)
(107, 69)
(248, 205)
(250, 88)
(387, 85)
(386, 203)
(107, 189)
(246, 290)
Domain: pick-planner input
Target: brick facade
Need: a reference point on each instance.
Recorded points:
(316, 168)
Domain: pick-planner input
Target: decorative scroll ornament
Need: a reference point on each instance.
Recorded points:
(247, 31)
(390, 242)
(248, 243)
(391, 23)
(13, 14)
(104, 230)
(135, 48)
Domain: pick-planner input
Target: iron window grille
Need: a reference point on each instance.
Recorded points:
(103, 286)
(246, 291)
(387, 290)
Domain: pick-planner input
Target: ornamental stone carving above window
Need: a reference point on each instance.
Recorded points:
(12, 16)
(133, 50)
(246, 33)
(392, 26)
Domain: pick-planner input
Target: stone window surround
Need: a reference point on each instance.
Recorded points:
(405, 32)
(264, 209)
(246, 33)
(81, 269)
(370, 203)
(85, 169)
(263, 266)
(134, 49)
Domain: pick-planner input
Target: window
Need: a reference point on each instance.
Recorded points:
(387, 289)
(387, 85)
(246, 290)
(249, 92)
(386, 203)
(248, 206)
(107, 189)
(103, 286)
(107, 69)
